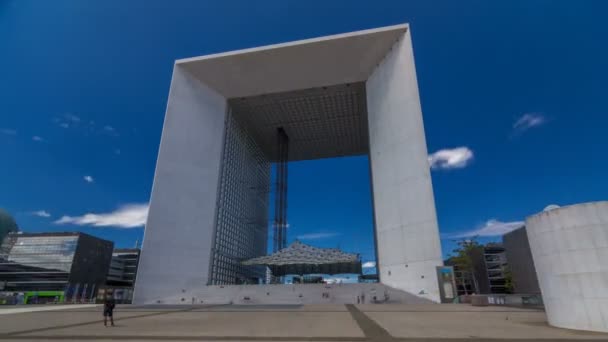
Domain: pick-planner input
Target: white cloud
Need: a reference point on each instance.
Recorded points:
(8, 131)
(88, 179)
(127, 216)
(110, 130)
(37, 138)
(41, 213)
(491, 228)
(527, 121)
(369, 264)
(316, 236)
(451, 158)
(72, 118)
(69, 120)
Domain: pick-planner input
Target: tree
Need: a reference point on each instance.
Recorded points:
(509, 285)
(462, 258)
(7, 224)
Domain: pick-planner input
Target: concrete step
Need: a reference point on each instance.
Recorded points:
(295, 294)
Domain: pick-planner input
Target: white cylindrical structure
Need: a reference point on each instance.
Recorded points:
(570, 251)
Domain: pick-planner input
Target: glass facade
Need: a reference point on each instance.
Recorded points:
(48, 252)
(36, 262)
(241, 229)
(36, 266)
(123, 267)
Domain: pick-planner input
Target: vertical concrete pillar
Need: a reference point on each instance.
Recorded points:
(178, 237)
(405, 220)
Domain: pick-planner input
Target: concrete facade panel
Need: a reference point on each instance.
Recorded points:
(324, 61)
(177, 241)
(520, 261)
(570, 263)
(404, 199)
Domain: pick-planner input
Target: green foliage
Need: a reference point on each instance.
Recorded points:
(7, 224)
(462, 257)
(509, 285)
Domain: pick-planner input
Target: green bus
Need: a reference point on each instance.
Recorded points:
(43, 297)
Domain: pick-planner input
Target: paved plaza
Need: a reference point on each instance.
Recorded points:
(453, 322)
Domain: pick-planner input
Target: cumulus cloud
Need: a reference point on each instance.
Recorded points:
(110, 130)
(37, 138)
(491, 228)
(72, 118)
(88, 179)
(369, 264)
(451, 158)
(527, 121)
(67, 120)
(316, 236)
(41, 213)
(8, 131)
(127, 216)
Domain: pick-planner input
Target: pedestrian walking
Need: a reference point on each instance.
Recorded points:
(108, 309)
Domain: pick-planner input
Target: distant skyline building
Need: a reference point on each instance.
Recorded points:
(490, 262)
(521, 263)
(463, 279)
(121, 275)
(72, 262)
(123, 267)
(342, 95)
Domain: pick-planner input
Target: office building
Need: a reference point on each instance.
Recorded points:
(123, 267)
(121, 275)
(231, 115)
(463, 279)
(521, 264)
(74, 263)
(489, 263)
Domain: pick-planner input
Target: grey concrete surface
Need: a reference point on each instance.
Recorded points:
(291, 323)
(182, 229)
(570, 248)
(278, 294)
(464, 321)
(177, 238)
(407, 234)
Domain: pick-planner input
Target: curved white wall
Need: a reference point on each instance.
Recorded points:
(570, 251)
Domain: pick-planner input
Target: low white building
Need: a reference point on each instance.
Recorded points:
(570, 250)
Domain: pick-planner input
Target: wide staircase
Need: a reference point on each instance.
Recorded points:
(366, 293)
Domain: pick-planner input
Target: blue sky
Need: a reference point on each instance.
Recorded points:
(513, 96)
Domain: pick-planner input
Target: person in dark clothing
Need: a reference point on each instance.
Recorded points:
(108, 310)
